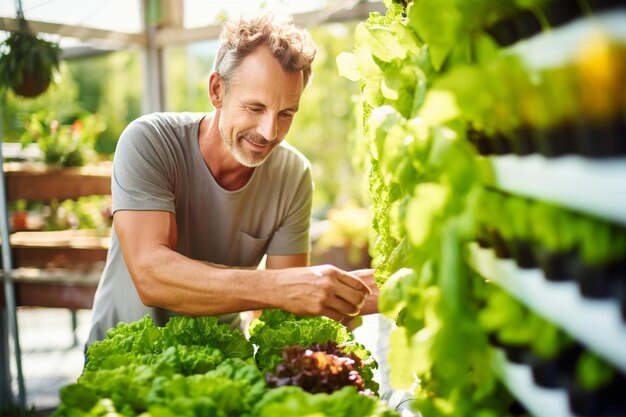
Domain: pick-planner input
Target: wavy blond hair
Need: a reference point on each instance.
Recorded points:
(292, 47)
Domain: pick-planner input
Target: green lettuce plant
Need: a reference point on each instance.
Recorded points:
(196, 366)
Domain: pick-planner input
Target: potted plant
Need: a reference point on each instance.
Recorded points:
(597, 388)
(27, 62)
(553, 354)
(67, 145)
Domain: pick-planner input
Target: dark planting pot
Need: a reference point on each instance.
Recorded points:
(519, 354)
(604, 401)
(522, 141)
(492, 338)
(540, 141)
(515, 28)
(588, 403)
(482, 238)
(480, 141)
(600, 5)
(564, 138)
(504, 32)
(500, 145)
(482, 242)
(620, 293)
(499, 246)
(556, 372)
(517, 409)
(523, 254)
(560, 12)
(622, 301)
(602, 140)
(618, 281)
(557, 141)
(556, 266)
(596, 281)
(33, 85)
(620, 144)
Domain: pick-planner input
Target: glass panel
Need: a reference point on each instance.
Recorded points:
(199, 13)
(115, 15)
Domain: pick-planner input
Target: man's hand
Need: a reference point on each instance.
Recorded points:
(371, 303)
(323, 291)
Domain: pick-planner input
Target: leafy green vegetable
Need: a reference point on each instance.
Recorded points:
(294, 402)
(129, 342)
(321, 367)
(133, 339)
(234, 387)
(197, 367)
(273, 335)
(275, 330)
(136, 360)
(207, 331)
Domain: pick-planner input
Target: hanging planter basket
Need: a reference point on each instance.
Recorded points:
(28, 63)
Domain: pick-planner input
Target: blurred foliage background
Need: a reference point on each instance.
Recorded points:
(108, 86)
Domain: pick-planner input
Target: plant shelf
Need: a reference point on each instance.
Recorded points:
(560, 46)
(596, 187)
(540, 402)
(37, 182)
(595, 323)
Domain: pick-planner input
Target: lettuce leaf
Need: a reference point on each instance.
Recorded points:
(274, 334)
(207, 331)
(294, 402)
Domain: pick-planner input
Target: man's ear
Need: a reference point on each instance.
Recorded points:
(216, 90)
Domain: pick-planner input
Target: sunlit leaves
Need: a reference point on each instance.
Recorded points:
(346, 62)
(438, 23)
(407, 359)
(392, 297)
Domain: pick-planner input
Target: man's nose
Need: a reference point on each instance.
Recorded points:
(268, 127)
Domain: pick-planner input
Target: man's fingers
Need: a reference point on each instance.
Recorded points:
(354, 282)
(350, 295)
(363, 273)
(341, 293)
(343, 307)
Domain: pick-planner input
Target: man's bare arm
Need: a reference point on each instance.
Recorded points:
(167, 279)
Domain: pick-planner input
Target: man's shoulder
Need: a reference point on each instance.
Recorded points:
(169, 119)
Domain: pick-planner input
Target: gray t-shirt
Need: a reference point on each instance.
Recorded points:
(158, 166)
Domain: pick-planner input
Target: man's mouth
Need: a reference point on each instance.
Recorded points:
(257, 144)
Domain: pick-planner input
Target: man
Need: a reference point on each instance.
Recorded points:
(199, 199)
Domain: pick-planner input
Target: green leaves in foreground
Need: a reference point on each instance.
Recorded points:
(197, 367)
(293, 402)
(272, 334)
(190, 364)
(277, 329)
(130, 342)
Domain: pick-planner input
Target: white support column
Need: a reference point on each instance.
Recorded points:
(153, 80)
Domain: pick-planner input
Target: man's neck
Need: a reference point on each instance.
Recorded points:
(226, 170)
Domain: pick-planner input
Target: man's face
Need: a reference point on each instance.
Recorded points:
(258, 108)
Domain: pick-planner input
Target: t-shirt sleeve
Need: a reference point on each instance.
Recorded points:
(141, 177)
(292, 237)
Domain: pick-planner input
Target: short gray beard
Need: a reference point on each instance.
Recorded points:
(240, 156)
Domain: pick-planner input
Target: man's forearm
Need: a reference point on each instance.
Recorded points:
(169, 280)
(172, 281)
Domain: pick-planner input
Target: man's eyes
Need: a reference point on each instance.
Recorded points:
(283, 115)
